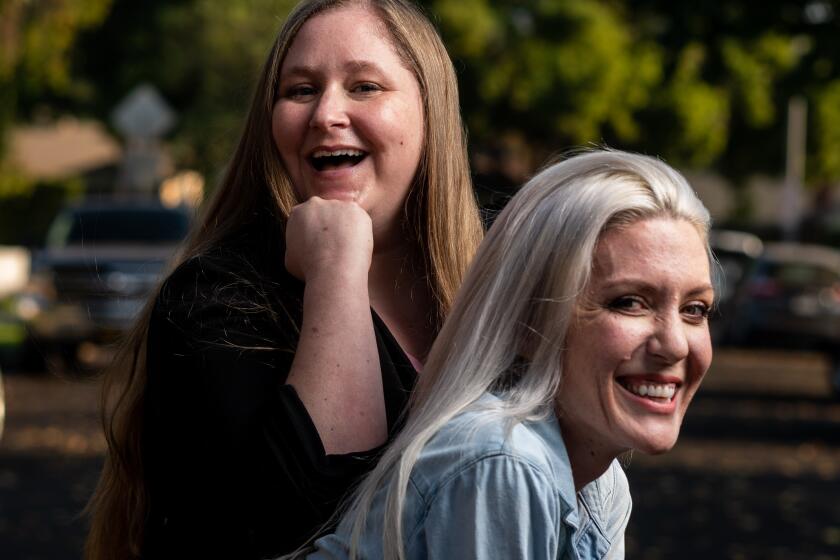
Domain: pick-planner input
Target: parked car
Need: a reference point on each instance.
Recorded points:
(790, 299)
(2, 406)
(100, 263)
(736, 254)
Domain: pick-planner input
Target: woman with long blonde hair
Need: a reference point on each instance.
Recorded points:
(278, 355)
(579, 333)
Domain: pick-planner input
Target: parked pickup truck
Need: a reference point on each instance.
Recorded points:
(100, 264)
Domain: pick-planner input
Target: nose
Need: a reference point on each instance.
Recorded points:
(669, 340)
(330, 110)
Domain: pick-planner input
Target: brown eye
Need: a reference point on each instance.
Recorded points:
(697, 311)
(627, 304)
(366, 87)
(299, 92)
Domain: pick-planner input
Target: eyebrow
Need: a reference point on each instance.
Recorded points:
(646, 286)
(350, 66)
(702, 290)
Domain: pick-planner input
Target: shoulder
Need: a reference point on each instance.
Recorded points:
(480, 474)
(225, 267)
(482, 442)
(227, 274)
(225, 295)
(247, 258)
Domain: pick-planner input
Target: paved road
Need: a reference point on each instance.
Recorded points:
(50, 457)
(756, 474)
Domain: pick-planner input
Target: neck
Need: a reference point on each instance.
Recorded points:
(401, 297)
(390, 237)
(588, 457)
(390, 267)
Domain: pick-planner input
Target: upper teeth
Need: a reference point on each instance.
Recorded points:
(325, 153)
(665, 391)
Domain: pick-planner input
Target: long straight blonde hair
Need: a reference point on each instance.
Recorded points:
(517, 299)
(441, 218)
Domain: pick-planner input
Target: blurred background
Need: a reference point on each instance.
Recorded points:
(117, 118)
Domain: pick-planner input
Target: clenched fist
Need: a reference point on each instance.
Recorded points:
(328, 237)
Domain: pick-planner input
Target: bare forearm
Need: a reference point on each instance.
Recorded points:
(336, 369)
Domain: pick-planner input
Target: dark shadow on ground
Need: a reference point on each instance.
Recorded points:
(688, 515)
(763, 420)
(41, 499)
(712, 510)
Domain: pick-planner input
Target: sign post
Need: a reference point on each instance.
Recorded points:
(142, 118)
(792, 192)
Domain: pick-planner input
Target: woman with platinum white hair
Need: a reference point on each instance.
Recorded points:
(580, 333)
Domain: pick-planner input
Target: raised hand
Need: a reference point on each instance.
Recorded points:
(328, 236)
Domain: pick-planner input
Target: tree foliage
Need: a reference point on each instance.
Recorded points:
(222, 48)
(203, 55)
(742, 55)
(702, 84)
(36, 44)
(679, 80)
(561, 72)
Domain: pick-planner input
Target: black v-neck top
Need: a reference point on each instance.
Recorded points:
(234, 465)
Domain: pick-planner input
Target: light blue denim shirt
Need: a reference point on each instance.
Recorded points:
(480, 491)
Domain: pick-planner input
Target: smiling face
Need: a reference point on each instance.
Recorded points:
(639, 343)
(348, 123)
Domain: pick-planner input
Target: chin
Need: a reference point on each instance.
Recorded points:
(658, 445)
(656, 450)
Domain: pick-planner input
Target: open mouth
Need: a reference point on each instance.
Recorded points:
(647, 389)
(323, 160)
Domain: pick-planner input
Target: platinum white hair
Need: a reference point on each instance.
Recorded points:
(518, 298)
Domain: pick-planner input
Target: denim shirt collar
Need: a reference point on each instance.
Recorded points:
(582, 511)
(549, 430)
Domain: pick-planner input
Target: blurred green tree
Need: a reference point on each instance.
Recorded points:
(36, 46)
(747, 60)
(702, 84)
(559, 73)
(203, 55)
(37, 42)
(818, 78)
(664, 77)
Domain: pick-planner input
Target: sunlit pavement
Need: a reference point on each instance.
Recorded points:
(756, 474)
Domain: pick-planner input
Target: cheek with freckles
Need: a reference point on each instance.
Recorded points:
(607, 339)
